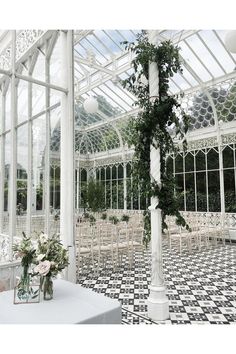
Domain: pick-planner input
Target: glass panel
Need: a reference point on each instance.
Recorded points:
(22, 101)
(120, 171)
(22, 170)
(39, 141)
(190, 192)
(212, 159)
(129, 193)
(201, 191)
(39, 68)
(6, 184)
(128, 170)
(55, 170)
(228, 157)
(120, 194)
(108, 173)
(102, 173)
(200, 161)
(38, 99)
(189, 162)
(108, 195)
(83, 175)
(83, 195)
(214, 191)
(179, 163)
(114, 172)
(180, 190)
(56, 63)
(8, 109)
(114, 195)
(229, 186)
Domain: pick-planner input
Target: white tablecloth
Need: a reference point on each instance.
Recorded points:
(71, 304)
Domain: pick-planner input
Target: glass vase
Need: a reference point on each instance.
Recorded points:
(23, 286)
(48, 288)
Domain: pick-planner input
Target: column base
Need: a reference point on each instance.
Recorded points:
(158, 304)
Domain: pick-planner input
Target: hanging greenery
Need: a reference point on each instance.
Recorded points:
(157, 123)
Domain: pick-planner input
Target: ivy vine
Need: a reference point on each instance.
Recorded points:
(157, 124)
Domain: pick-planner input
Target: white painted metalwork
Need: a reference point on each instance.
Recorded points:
(158, 306)
(67, 152)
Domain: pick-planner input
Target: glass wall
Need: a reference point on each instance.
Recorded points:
(30, 139)
(113, 181)
(197, 176)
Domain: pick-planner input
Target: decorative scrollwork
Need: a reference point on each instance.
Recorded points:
(24, 40)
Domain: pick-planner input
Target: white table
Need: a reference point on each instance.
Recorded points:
(71, 304)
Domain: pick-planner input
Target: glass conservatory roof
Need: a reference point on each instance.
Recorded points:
(101, 62)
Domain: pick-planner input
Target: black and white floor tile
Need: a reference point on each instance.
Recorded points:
(201, 286)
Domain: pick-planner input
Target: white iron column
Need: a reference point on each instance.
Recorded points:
(67, 152)
(47, 153)
(125, 186)
(13, 173)
(30, 162)
(2, 161)
(158, 306)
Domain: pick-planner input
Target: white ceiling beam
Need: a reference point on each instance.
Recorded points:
(93, 65)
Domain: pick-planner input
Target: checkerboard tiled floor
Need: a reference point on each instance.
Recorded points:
(201, 286)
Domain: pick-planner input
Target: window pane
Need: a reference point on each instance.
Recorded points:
(228, 157)
(212, 160)
(214, 191)
(200, 161)
(102, 174)
(190, 192)
(189, 162)
(108, 173)
(201, 191)
(229, 187)
(179, 163)
(180, 190)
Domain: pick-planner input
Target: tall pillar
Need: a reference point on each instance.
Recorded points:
(67, 153)
(47, 153)
(2, 161)
(13, 151)
(158, 305)
(30, 161)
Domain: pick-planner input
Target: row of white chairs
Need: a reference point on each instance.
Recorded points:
(104, 243)
(202, 234)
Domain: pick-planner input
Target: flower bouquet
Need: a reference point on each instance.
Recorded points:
(51, 259)
(26, 251)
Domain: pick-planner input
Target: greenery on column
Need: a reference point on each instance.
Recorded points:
(157, 123)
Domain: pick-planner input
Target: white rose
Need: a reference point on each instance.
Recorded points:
(43, 237)
(43, 268)
(40, 257)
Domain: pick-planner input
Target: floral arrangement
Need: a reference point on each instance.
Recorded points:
(49, 257)
(52, 257)
(25, 250)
